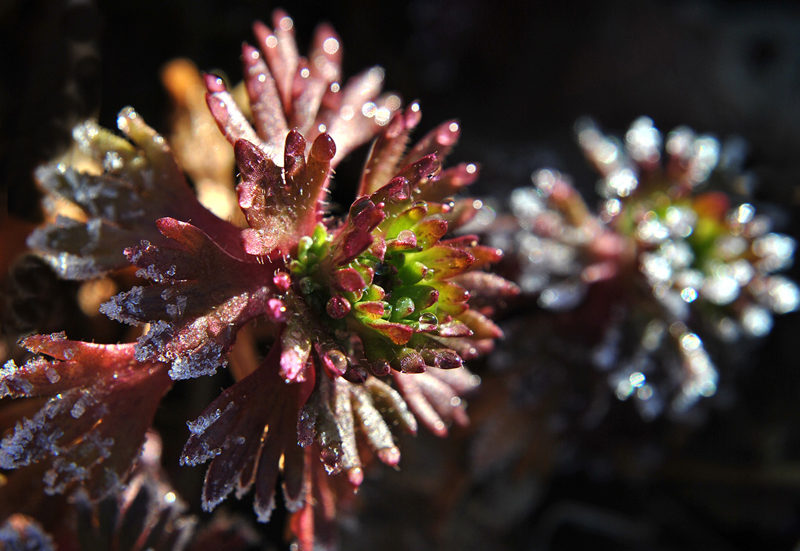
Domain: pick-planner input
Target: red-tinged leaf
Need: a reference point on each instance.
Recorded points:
(429, 232)
(326, 54)
(296, 342)
(378, 249)
(349, 133)
(261, 242)
(373, 426)
(418, 403)
(356, 235)
(452, 297)
(139, 184)
(483, 255)
(397, 332)
(454, 328)
(463, 211)
(229, 117)
(468, 348)
(77, 364)
(467, 242)
(432, 399)
(294, 491)
(265, 203)
(91, 429)
(391, 404)
(265, 100)
(445, 261)
(280, 50)
(420, 171)
(294, 159)
(348, 280)
(244, 432)
(387, 150)
(438, 141)
(408, 361)
(193, 321)
(450, 182)
(486, 285)
(405, 240)
(308, 92)
(374, 310)
(340, 408)
(195, 257)
(397, 190)
(481, 326)
(268, 466)
(257, 169)
(309, 192)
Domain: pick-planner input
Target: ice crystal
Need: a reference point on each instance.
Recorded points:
(100, 403)
(140, 182)
(22, 533)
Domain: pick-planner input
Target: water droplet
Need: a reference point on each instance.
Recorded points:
(689, 294)
(337, 359)
(369, 109)
(331, 45)
(286, 23)
(428, 321)
(756, 321)
(346, 112)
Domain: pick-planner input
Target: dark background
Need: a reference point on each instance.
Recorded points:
(517, 75)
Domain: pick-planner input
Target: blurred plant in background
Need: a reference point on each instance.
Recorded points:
(342, 329)
(675, 264)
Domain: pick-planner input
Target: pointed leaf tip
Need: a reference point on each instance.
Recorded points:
(448, 133)
(214, 84)
(249, 54)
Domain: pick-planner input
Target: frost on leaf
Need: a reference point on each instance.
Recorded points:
(100, 403)
(200, 297)
(245, 432)
(19, 532)
(340, 410)
(146, 514)
(140, 182)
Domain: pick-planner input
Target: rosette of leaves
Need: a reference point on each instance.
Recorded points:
(346, 301)
(682, 264)
(350, 301)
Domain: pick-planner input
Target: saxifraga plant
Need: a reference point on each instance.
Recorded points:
(369, 312)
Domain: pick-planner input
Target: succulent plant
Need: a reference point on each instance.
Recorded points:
(678, 264)
(368, 313)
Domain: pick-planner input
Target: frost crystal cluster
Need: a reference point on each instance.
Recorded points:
(368, 314)
(675, 257)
